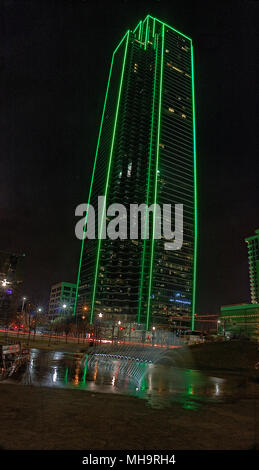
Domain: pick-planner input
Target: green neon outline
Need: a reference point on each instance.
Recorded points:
(120, 43)
(195, 198)
(138, 25)
(143, 30)
(140, 30)
(154, 26)
(155, 192)
(147, 198)
(168, 26)
(107, 180)
(238, 307)
(147, 33)
(91, 184)
(252, 237)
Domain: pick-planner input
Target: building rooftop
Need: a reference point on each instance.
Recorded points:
(238, 306)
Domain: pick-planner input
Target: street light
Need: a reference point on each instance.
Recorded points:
(23, 300)
(118, 334)
(64, 306)
(39, 310)
(153, 328)
(98, 326)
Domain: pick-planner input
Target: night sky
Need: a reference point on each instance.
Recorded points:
(54, 67)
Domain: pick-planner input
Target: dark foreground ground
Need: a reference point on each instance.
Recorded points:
(44, 418)
(238, 356)
(47, 418)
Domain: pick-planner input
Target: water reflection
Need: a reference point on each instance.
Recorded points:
(159, 384)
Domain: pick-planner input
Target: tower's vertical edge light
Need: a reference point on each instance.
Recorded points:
(138, 26)
(156, 169)
(154, 27)
(91, 185)
(147, 32)
(170, 27)
(140, 31)
(148, 189)
(108, 179)
(195, 199)
(143, 32)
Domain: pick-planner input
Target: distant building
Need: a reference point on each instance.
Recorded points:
(253, 259)
(239, 320)
(11, 276)
(62, 298)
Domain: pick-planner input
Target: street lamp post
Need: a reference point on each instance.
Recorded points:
(23, 300)
(98, 330)
(64, 307)
(118, 335)
(153, 335)
(22, 312)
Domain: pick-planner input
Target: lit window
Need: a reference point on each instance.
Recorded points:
(167, 51)
(173, 67)
(178, 70)
(129, 169)
(171, 110)
(184, 116)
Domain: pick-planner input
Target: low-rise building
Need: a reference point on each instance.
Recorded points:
(240, 320)
(62, 298)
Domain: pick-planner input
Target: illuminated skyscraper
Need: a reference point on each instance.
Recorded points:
(145, 154)
(253, 259)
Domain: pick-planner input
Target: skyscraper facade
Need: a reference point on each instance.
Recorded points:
(145, 154)
(253, 260)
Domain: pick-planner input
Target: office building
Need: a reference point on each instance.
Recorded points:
(145, 154)
(62, 299)
(240, 320)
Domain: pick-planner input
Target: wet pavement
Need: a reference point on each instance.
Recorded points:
(159, 384)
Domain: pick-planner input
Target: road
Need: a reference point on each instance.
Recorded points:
(74, 339)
